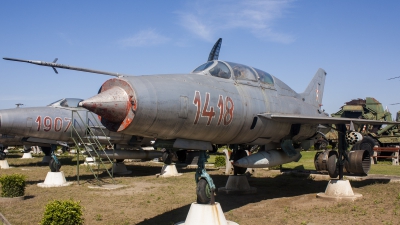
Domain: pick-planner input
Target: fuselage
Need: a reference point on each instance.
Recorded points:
(59, 122)
(220, 107)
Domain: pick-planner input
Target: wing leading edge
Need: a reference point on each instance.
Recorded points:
(291, 118)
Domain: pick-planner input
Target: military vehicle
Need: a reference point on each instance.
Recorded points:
(372, 135)
(220, 102)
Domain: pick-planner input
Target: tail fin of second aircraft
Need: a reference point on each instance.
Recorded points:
(315, 90)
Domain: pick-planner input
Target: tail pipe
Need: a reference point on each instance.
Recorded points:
(359, 162)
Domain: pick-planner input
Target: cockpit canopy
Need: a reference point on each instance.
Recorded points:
(236, 71)
(67, 102)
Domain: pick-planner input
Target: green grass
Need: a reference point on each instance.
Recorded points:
(306, 162)
(385, 167)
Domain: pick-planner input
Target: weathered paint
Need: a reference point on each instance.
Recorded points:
(221, 111)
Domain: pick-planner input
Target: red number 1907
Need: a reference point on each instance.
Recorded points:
(48, 123)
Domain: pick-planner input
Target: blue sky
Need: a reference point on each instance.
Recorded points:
(356, 42)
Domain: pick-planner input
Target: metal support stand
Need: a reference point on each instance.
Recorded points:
(342, 145)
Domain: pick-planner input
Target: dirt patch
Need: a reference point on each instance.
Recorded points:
(145, 199)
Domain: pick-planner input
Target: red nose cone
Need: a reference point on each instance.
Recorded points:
(113, 104)
(116, 104)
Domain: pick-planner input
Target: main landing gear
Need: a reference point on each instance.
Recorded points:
(54, 163)
(205, 186)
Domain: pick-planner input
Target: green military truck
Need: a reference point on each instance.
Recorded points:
(372, 109)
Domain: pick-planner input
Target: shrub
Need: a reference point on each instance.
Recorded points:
(219, 161)
(13, 185)
(65, 212)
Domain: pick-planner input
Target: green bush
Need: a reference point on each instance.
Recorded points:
(219, 161)
(65, 212)
(12, 185)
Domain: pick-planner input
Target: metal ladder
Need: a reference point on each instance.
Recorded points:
(89, 141)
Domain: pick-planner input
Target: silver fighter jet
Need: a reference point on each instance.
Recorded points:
(52, 126)
(221, 103)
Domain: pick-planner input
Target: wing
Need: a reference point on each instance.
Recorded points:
(292, 118)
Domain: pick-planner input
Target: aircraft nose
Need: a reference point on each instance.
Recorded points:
(111, 104)
(116, 104)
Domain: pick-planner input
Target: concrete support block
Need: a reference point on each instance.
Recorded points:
(55, 179)
(169, 171)
(339, 190)
(4, 164)
(200, 214)
(237, 185)
(120, 169)
(27, 155)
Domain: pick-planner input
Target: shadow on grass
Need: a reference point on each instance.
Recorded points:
(267, 188)
(281, 186)
(26, 197)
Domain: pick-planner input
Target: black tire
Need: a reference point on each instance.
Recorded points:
(333, 169)
(54, 167)
(367, 143)
(167, 158)
(2, 155)
(239, 170)
(356, 146)
(203, 192)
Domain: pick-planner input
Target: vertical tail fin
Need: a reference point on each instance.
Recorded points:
(315, 90)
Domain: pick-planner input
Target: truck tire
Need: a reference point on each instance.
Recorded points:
(367, 143)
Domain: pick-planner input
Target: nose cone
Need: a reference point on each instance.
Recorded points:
(115, 104)
(112, 104)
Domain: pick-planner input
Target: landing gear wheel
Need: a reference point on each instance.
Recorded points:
(239, 170)
(167, 158)
(368, 143)
(2, 155)
(54, 166)
(333, 169)
(203, 192)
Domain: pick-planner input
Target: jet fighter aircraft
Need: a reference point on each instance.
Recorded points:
(220, 103)
(60, 122)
